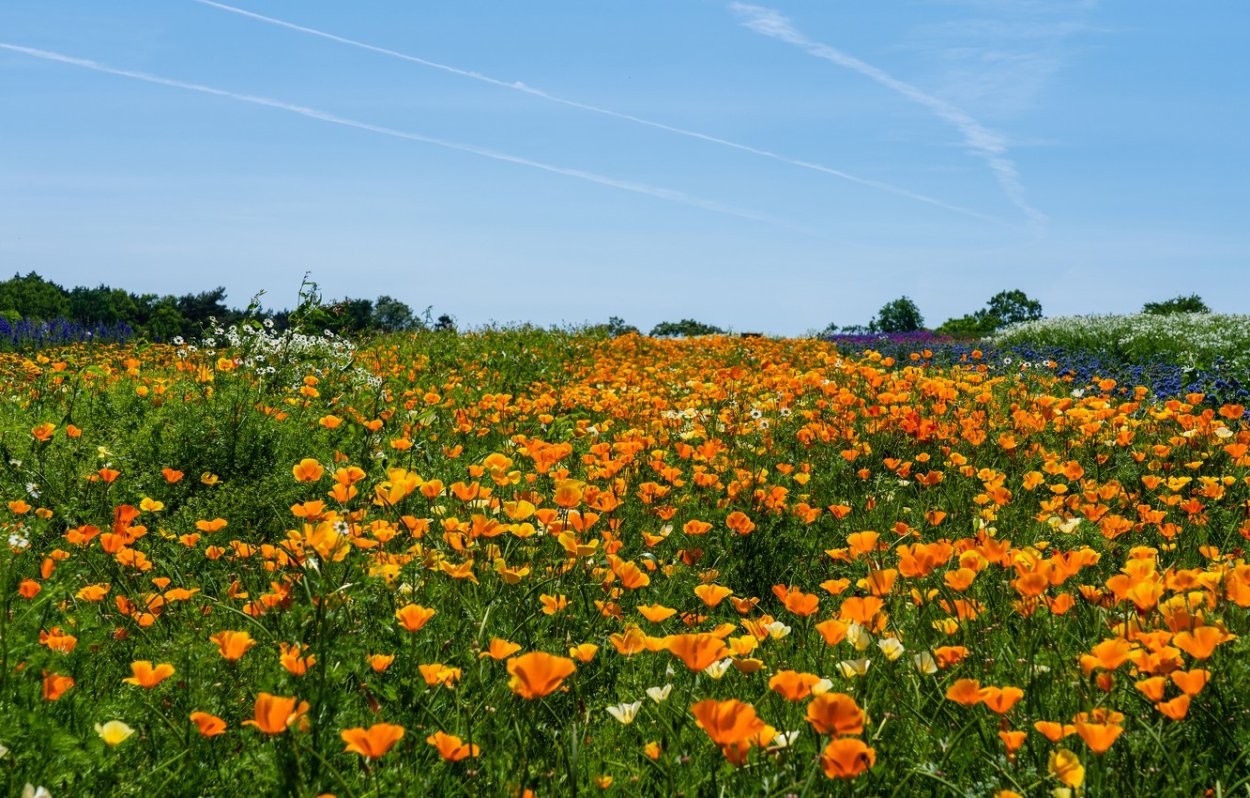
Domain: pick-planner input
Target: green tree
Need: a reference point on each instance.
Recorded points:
(1180, 304)
(684, 328)
(899, 315)
(392, 315)
(34, 297)
(1013, 307)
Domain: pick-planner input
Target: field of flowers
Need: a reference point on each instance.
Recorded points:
(535, 563)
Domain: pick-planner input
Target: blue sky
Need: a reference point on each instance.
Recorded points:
(767, 166)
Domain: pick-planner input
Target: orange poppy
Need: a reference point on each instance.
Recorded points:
(147, 675)
(1176, 709)
(55, 685)
(307, 470)
(537, 673)
(414, 616)
(451, 748)
(792, 685)
(500, 649)
(1001, 699)
(697, 650)
(965, 691)
(1099, 736)
(380, 662)
(846, 758)
(232, 645)
(274, 714)
(209, 725)
(727, 722)
(1191, 682)
(835, 714)
(373, 742)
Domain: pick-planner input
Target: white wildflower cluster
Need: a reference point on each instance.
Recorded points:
(1184, 338)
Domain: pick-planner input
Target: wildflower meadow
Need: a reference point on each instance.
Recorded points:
(523, 562)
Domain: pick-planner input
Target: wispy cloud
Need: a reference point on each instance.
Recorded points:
(519, 86)
(657, 192)
(985, 143)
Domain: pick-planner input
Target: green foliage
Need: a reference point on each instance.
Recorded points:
(34, 297)
(1179, 304)
(1003, 309)
(897, 316)
(686, 328)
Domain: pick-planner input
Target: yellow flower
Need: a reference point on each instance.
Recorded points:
(114, 732)
(1065, 766)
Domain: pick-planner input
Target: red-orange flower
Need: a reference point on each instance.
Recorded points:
(55, 685)
(209, 725)
(537, 673)
(373, 742)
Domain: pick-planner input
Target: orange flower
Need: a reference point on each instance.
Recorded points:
(583, 652)
(1001, 699)
(727, 722)
(656, 613)
(55, 685)
(307, 470)
(209, 725)
(966, 692)
(500, 649)
(1012, 740)
(1099, 736)
(43, 433)
(792, 685)
(147, 675)
(380, 662)
(450, 747)
(171, 475)
(373, 742)
(537, 674)
(846, 758)
(274, 714)
(697, 650)
(712, 595)
(295, 658)
(836, 714)
(232, 645)
(1191, 682)
(1176, 709)
(414, 616)
(1053, 731)
(1201, 642)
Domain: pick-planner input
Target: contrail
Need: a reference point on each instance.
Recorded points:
(595, 109)
(986, 143)
(657, 192)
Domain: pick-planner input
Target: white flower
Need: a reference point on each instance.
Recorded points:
(891, 647)
(3, 752)
(777, 630)
(624, 713)
(659, 694)
(822, 686)
(16, 541)
(31, 791)
(717, 669)
(785, 739)
(925, 663)
(858, 636)
(854, 667)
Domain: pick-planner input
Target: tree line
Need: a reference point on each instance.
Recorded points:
(32, 298)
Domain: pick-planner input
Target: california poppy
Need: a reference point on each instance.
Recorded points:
(275, 714)
(537, 673)
(208, 725)
(232, 645)
(450, 747)
(373, 742)
(836, 714)
(148, 676)
(846, 758)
